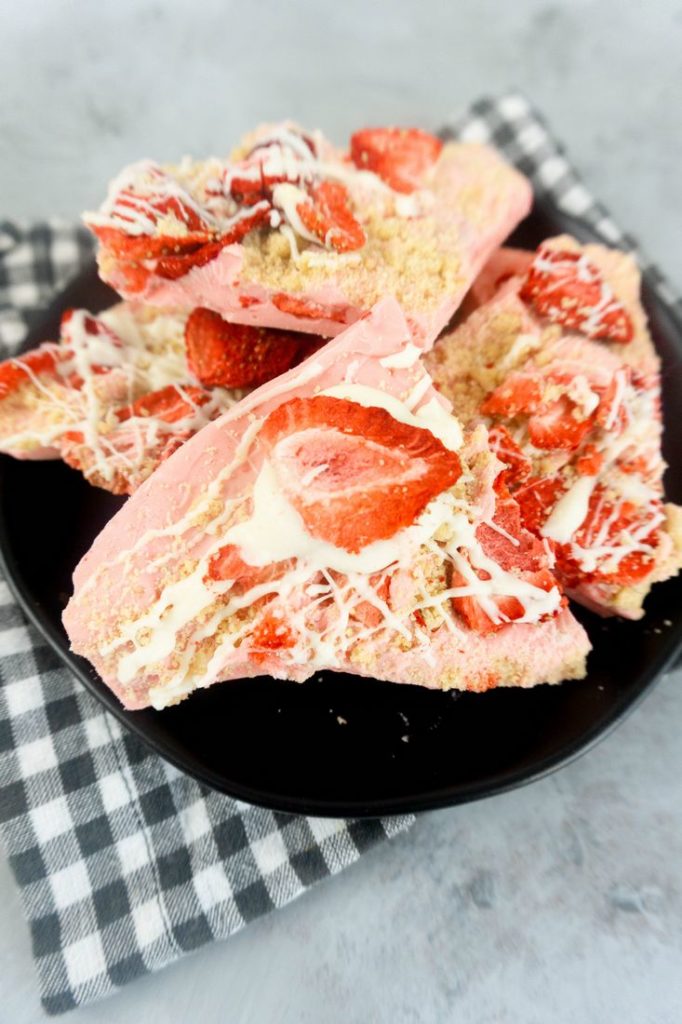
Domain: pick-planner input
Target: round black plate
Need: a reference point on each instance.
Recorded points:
(340, 745)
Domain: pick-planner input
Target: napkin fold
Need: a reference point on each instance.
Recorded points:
(125, 864)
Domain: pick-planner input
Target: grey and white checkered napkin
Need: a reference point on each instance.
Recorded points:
(124, 864)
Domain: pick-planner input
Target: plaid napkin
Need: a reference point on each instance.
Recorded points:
(125, 864)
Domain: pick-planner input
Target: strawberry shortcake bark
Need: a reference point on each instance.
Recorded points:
(292, 233)
(336, 518)
(113, 398)
(558, 359)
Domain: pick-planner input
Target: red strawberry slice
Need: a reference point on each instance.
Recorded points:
(566, 288)
(270, 635)
(222, 354)
(556, 426)
(524, 552)
(169, 404)
(612, 413)
(40, 362)
(589, 461)
(137, 209)
(515, 550)
(518, 465)
(607, 524)
(248, 183)
(519, 393)
(354, 474)
(252, 178)
(173, 267)
(400, 156)
(510, 608)
(536, 499)
(227, 564)
(327, 215)
(307, 310)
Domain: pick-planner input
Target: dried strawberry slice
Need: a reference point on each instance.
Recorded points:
(304, 309)
(270, 635)
(510, 608)
(42, 361)
(508, 543)
(222, 354)
(555, 423)
(519, 393)
(568, 289)
(354, 474)
(172, 267)
(253, 178)
(536, 499)
(556, 426)
(137, 212)
(400, 156)
(612, 413)
(327, 215)
(514, 549)
(589, 461)
(228, 564)
(169, 404)
(518, 465)
(608, 524)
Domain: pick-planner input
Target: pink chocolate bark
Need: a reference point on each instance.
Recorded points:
(158, 614)
(577, 418)
(424, 248)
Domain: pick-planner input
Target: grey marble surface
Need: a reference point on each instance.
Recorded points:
(561, 902)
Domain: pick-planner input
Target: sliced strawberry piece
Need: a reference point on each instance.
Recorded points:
(520, 393)
(612, 413)
(556, 426)
(566, 288)
(639, 465)
(138, 211)
(39, 362)
(511, 546)
(367, 613)
(354, 474)
(510, 608)
(173, 267)
(631, 569)
(328, 216)
(271, 634)
(227, 564)
(248, 183)
(536, 499)
(610, 525)
(222, 354)
(307, 310)
(169, 404)
(589, 461)
(132, 278)
(253, 177)
(399, 156)
(518, 465)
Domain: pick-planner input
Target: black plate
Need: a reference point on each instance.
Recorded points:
(340, 745)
